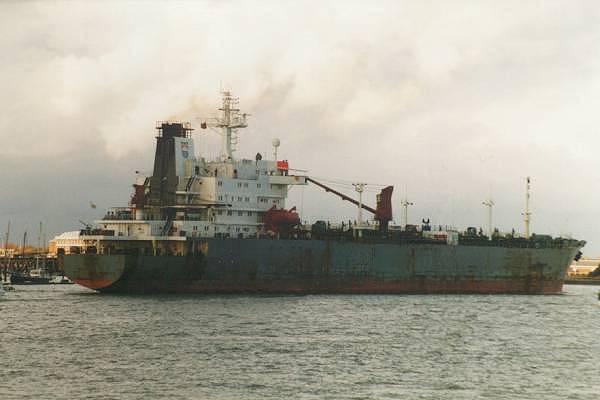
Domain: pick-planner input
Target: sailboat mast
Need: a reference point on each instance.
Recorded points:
(24, 241)
(6, 240)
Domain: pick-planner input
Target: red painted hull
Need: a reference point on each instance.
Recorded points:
(95, 284)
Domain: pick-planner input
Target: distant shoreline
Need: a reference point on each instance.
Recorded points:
(582, 281)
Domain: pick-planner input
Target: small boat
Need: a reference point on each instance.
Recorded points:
(34, 277)
(61, 280)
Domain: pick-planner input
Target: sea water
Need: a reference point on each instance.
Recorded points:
(67, 342)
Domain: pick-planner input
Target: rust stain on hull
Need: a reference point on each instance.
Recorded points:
(95, 284)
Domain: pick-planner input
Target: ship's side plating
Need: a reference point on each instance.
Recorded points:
(322, 266)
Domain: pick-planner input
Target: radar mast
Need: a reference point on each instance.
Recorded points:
(230, 121)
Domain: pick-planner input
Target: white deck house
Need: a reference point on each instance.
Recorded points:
(226, 197)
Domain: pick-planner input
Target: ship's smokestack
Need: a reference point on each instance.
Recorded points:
(173, 129)
(163, 183)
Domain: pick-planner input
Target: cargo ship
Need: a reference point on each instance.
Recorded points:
(222, 226)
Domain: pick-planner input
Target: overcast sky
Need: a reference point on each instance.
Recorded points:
(452, 100)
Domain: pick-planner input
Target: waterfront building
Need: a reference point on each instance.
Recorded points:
(65, 243)
(584, 266)
(7, 252)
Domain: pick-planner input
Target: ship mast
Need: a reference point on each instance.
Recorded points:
(230, 121)
(405, 203)
(489, 204)
(7, 266)
(360, 188)
(24, 244)
(6, 259)
(40, 239)
(6, 240)
(527, 214)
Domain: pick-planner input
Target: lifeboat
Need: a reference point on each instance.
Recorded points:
(281, 220)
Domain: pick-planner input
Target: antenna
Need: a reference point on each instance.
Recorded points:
(360, 188)
(527, 213)
(302, 201)
(489, 204)
(276, 142)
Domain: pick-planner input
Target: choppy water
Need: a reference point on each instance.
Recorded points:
(64, 342)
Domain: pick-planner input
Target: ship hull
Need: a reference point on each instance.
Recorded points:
(321, 266)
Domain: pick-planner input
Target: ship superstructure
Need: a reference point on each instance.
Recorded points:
(189, 196)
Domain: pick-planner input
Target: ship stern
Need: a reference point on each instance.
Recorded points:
(94, 271)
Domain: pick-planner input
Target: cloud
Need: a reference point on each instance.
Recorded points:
(448, 100)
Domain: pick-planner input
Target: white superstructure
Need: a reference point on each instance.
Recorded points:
(188, 196)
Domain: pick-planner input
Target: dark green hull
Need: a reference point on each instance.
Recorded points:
(321, 266)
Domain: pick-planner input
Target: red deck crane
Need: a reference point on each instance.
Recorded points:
(383, 211)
